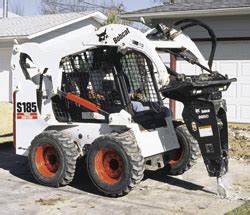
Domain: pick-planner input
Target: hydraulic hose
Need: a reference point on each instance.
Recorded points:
(194, 22)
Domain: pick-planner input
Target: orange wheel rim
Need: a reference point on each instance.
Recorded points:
(109, 166)
(177, 155)
(47, 160)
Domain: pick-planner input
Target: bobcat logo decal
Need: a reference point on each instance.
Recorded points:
(103, 36)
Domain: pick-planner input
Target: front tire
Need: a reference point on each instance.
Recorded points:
(181, 160)
(115, 164)
(52, 158)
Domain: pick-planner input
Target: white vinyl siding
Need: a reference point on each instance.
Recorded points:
(5, 75)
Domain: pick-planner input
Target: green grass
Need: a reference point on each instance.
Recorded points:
(242, 210)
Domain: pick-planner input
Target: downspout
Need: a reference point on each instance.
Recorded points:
(172, 103)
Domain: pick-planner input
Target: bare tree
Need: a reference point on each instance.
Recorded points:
(169, 1)
(61, 6)
(112, 8)
(161, 1)
(184, 1)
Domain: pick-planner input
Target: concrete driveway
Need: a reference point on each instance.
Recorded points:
(192, 193)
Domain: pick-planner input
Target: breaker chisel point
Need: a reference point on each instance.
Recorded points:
(221, 190)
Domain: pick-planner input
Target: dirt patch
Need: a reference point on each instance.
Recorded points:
(49, 201)
(239, 141)
(6, 125)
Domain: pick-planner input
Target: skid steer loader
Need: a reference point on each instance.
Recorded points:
(99, 95)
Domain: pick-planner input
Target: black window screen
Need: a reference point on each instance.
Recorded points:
(90, 75)
(138, 71)
(98, 74)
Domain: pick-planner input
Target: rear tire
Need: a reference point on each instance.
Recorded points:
(115, 164)
(181, 160)
(52, 158)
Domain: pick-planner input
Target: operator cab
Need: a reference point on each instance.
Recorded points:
(113, 81)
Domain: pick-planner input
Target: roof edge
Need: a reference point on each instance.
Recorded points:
(189, 13)
(98, 16)
(12, 38)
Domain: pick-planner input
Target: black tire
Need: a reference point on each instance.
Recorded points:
(52, 158)
(115, 164)
(181, 160)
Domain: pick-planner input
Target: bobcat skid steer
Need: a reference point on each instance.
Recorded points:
(99, 95)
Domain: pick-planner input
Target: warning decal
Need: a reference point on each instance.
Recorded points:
(26, 115)
(206, 131)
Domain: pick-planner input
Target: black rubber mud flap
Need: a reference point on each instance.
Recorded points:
(207, 122)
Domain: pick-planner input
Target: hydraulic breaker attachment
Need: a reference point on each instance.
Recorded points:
(205, 116)
(207, 122)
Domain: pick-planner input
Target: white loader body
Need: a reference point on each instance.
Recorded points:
(29, 122)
